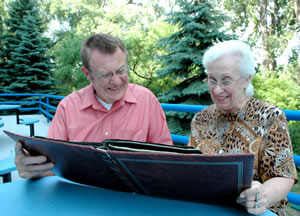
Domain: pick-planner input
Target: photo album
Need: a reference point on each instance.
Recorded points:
(174, 172)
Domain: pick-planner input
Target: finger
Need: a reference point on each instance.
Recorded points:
(241, 201)
(259, 210)
(250, 193)
(33, 171)
(36, 168)
(252, 204)
(256, 185)
(32, 160)
(18, 149)
(28, 175)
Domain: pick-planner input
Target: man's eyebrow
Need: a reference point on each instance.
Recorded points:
(122, 66)
(105, 72)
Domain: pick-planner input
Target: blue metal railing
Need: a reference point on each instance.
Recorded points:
(44, 106)
(290, 115)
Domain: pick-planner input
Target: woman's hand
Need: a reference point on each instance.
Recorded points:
(254, 199)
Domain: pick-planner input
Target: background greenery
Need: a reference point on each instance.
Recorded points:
(165, 40)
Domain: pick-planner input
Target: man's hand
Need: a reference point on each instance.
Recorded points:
(31, 166)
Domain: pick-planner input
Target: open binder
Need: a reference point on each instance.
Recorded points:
(172, 172)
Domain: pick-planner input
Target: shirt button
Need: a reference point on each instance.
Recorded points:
(106, 133)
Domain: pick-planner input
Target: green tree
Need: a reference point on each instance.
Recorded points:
(68, 64)
(2, 15)
(135, 25)
(269, 24)
(281, 91)
(25, 65)
(199, 27)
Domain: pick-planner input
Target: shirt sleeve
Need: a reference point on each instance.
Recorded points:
(158, 129)
(276, 159)
(58, 129)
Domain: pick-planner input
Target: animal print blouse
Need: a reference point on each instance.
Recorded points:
(259, 128)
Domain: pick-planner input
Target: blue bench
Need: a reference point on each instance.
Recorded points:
(7, 165)
(29, 122)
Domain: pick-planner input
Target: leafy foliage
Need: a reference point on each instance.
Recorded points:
(25, 65)
(281, 91)
(135, 25)
(266, 25)
(294, 128)
(68, 64)
(199, 27)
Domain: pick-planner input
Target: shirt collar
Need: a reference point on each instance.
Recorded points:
(89, 98)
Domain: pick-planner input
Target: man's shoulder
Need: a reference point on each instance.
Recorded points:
(138, 90)
(77, 95)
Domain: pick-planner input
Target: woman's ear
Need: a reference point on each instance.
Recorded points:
(247, 80)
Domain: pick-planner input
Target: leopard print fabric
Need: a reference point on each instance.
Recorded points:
(259, 128)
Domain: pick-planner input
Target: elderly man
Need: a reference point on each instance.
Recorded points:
(109, 108)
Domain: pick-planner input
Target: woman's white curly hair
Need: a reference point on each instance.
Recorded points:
(242, 50)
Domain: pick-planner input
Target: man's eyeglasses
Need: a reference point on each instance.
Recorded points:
(211, 83)
(121, 72)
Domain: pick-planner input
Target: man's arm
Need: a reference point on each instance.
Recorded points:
(158, 130)
(57, 129)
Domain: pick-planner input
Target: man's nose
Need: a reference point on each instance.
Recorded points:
(115, 79)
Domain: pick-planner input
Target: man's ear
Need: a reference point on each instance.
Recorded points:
(86, 73)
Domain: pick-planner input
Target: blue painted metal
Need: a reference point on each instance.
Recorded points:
(297, 160)
(290, 114)
(7, 165)
(180, 139)
(293, 198)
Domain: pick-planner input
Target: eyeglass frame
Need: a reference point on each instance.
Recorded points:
(222, 83)
(109, 75)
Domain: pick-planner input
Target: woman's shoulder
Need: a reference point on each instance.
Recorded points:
(263, 109)
(206, 115)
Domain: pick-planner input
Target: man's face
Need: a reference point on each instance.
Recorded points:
(107, 75)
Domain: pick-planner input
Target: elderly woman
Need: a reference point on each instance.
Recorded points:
(239, 123)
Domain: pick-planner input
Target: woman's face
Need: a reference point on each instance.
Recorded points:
(226, 84)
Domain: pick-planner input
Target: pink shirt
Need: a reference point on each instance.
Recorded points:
(137, 116)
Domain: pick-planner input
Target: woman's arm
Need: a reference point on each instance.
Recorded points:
(265, 195)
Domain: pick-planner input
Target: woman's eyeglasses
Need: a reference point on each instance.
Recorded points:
(211, 83)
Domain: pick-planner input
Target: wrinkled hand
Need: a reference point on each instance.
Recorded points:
(30, 166)
(254, 199)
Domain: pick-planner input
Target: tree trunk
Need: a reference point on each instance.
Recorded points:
(267, 29)
(297, 12)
